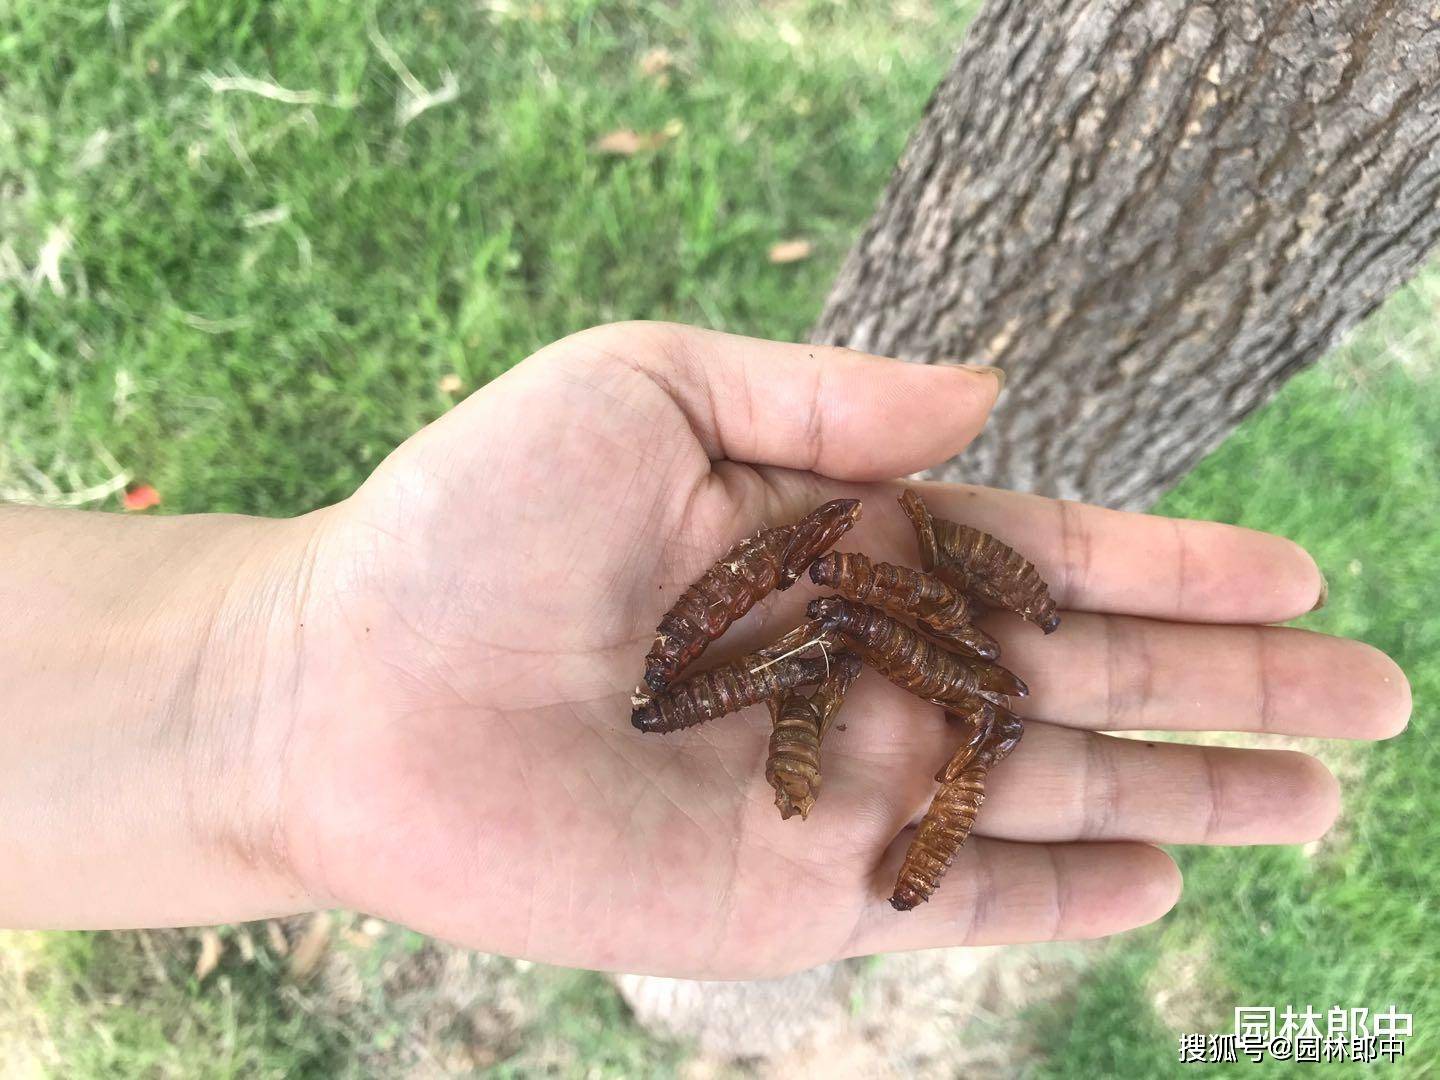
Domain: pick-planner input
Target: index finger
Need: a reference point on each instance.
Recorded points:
(1142, 564)
(1095, 559)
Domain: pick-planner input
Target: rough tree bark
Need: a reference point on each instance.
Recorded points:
(1150, 213)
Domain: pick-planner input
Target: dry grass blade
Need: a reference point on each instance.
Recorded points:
(246, 84)
(311, 946)
(275, 938)
(656, 62)
(211, 950)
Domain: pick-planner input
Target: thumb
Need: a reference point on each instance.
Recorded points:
(834, 411)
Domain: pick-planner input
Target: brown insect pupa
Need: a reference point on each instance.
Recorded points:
(725, 689)
(800, 724)
(911, 661)
(979, 724)
(940, 610)
(771, 559)
(948, 821)
(981, 566)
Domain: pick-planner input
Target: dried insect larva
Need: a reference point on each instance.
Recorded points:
(830, 694)
(800, 724)
(911, 661)
(940, 610)
(978, 564)
(792, 766)
(725, 689)
(942, 832)
(1004, 737)
(948, 821)
(919, 515)
(771, 559)
(978, 725)
(915, 627)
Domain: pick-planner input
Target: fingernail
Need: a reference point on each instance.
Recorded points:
(981, 369)
(1324, 592)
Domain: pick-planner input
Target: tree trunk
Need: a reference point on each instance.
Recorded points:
(1150, 213)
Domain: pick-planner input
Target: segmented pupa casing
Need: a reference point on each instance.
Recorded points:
(981, 566)
(799, 726)
(724, 689)
(941, 611)
(771, 559)
(911, 661)
(951, 816)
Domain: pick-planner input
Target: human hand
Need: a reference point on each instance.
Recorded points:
(479, 610)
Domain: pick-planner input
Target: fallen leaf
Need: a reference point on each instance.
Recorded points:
(359, 940)
(275, 938)
(246, 944)
(311, 947)
(451, 384)
(211, 949)
(140, 497)
(789, 251)
(656, 62)
(624, 142)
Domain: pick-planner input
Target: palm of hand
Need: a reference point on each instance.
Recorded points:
(496, 584)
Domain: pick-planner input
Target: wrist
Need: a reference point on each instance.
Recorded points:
(144, 744)
(253, 660)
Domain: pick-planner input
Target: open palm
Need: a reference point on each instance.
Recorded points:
(480, 609)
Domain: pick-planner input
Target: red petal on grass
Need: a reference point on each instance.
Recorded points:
(140, 497)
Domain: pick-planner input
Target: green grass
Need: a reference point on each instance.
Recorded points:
(254, 300)
(266, 367)
(585, 1027)
(397, 1004)
(129, 1005)
(1347, 462)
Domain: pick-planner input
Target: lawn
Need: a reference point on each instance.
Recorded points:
(247, 248)
(1347, 462)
